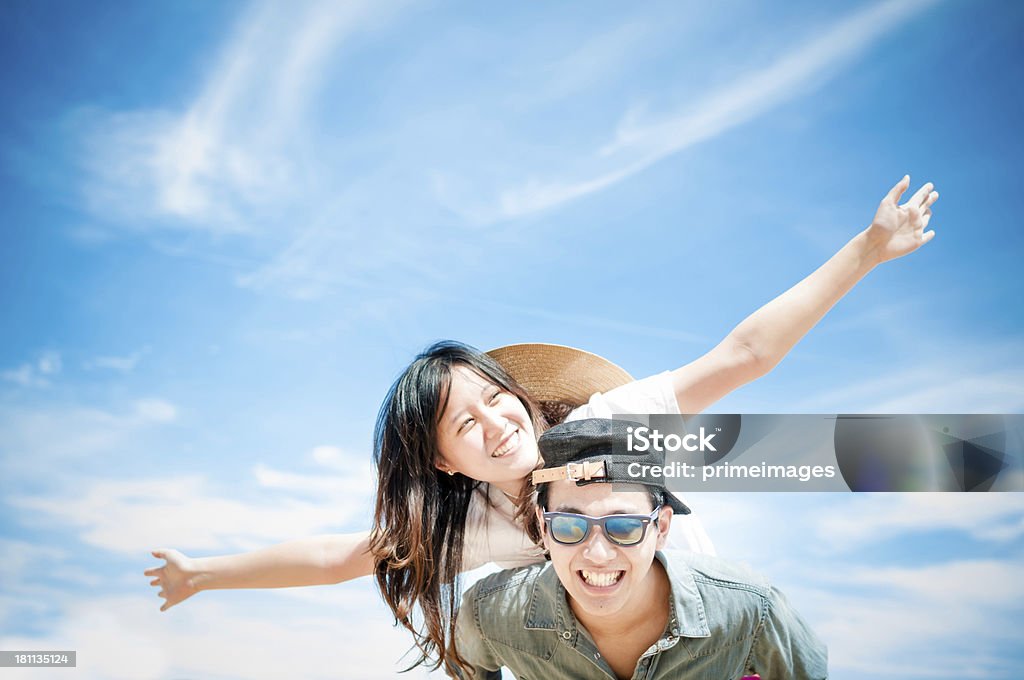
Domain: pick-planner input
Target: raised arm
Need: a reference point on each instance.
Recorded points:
(317, 560)
(760, 342)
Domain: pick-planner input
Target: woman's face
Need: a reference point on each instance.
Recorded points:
(485, 433)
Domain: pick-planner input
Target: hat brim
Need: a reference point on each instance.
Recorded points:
(678, 507)
(556, 373)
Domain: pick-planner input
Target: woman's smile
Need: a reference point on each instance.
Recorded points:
(507, 445)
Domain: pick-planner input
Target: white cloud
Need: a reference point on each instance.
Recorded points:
(959, 615)
(21, 557)
(999, 391)
(982, 582)
(358, 477)
(136, 516)
(231, 151)
(35, 374)
(866, 518)
(329, 456)
(37, 439)
(879, 615)
(595, 60)
(978, 377)
(254, 635)
(21, 596)
(566, 318)
(122, 364)
(638, 144)
(844, 524)
(156, 410)
(25, 376)
(49, 363)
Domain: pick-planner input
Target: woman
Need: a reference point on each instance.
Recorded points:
(456, 440)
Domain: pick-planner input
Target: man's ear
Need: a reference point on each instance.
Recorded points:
(664, 524)
(543, 526)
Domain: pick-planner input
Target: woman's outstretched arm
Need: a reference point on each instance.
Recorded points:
(317, 560)
(760, 342)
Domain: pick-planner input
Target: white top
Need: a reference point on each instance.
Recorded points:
(493, 536)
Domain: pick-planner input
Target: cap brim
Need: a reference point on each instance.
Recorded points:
(558, 373)
(678, 507)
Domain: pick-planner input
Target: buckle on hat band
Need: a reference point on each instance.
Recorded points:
(574, 472)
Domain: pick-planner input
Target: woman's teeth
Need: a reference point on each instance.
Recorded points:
(512, 443)
(601, 580)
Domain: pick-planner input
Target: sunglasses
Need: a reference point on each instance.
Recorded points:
(569, 528)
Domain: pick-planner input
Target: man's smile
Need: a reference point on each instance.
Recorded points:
(600, 579)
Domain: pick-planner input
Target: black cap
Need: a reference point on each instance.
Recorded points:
(601, 444)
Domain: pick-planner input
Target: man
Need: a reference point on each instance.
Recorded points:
(611, 604)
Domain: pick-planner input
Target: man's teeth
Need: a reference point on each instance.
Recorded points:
(601, 580)
(512, 442)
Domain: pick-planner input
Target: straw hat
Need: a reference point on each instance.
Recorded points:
(559, 373)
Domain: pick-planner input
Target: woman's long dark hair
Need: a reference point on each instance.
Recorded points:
(419, 521)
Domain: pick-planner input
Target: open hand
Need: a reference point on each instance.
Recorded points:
(900, 229)
(174, 578)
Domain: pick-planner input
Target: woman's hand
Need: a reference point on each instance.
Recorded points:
(900, 229)
(176, 578)
(756, 345)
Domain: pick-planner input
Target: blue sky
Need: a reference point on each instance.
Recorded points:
(227, 227)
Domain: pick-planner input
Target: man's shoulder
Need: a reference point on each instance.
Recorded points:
(715, 572)
(501, 601)
(507, 584)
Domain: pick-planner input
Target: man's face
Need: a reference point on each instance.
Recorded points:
(602, 577)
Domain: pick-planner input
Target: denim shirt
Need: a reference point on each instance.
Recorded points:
(724, 622)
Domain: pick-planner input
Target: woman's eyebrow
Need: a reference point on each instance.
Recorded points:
(457, 414)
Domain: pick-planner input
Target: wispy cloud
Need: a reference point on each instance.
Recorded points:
(597, 59)
(963, 377)
(351, 485)
(261, 635)
(39, 438)
(996, 391)
(564, 318)
(638, 143)
(37, 373)
(867, 518)
(155, 411)
(230, 153)
(189, 512)
(842, 525)
(822, 551)
(248, 161)
(121, 364)
(903, 614)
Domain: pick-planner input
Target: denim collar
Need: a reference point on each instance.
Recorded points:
(549, 609)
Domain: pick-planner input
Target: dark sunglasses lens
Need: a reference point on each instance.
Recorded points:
(568, 529)
(624, 530)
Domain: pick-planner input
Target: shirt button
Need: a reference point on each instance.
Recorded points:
(566, 635)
